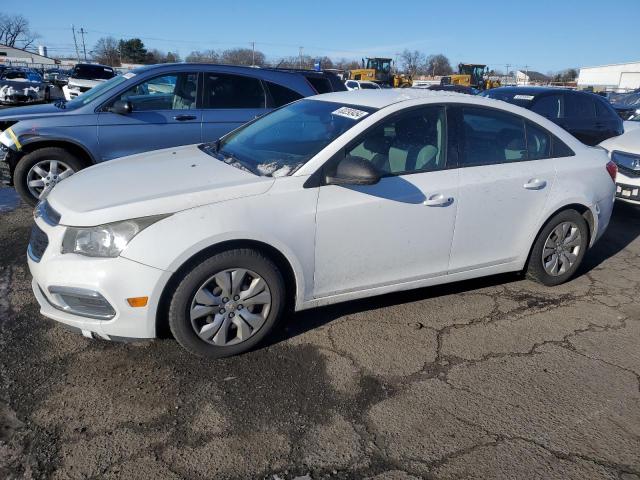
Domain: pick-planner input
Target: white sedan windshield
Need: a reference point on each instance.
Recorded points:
(281, 142)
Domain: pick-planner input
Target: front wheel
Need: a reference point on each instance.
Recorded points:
(227, 304)
(39, 171)
(559, 249)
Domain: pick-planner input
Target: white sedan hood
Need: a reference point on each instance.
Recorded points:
(627, 142)
(151, 183)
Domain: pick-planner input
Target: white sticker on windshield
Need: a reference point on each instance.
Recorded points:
(351, 113)
(129, 75)
(523, 97)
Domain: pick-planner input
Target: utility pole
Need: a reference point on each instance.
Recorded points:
(75, 42)
(507, 72)
(526, 74)
(84, 48)
(253, 54)
(396, 61)
(300, 54)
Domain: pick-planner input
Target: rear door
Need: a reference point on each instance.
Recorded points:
(229, 101)
(505, 179)
(165, 114)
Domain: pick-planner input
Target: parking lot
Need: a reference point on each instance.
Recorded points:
(494, 378)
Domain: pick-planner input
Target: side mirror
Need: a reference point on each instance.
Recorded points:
(122, 107)
(354, 171)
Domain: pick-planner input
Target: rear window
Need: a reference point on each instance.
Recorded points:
(92, 72)
(319, 84)
(548, 106)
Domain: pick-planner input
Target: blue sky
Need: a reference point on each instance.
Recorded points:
(545, 35)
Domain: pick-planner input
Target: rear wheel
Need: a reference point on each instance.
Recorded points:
(227, 304)
(39, 171)
(559, 249)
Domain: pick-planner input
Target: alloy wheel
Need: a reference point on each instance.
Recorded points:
(561, 249)
(45, 174)
(230, 307)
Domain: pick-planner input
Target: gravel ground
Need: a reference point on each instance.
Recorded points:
(496, 378)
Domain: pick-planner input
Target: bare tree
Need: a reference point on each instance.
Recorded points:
(15, 31)
(412, 62)
(345, 64)
(243, 56)
(107, 51)
(206, 56)
(438, 65)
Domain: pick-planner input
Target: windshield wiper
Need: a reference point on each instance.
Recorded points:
(231, 159)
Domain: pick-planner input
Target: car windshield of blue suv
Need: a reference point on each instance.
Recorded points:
(95, 92)
(281, 142)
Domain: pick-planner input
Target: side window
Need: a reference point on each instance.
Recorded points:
(602, 110)
(222, 90)
(538, 142)
(560, 149)
(547, 106)
(281, 95)
(580, 106)
(319, 84)
(413, 142)
(168, 92)
(491, 136)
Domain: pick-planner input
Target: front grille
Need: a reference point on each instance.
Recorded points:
(628, 171)
(37, 243)
(628, 192)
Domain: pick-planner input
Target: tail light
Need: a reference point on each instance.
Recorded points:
(612, 169)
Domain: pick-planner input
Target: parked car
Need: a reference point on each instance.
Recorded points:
(361, 85)
(588, 117)
(454, 88)
(21, 86)
(633, 122)
(153, 107)
(57, 76)
(84, 77)
(625, 104)
(331, 198)
(625, 152)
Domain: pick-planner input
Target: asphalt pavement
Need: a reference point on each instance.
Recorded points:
(493, 378)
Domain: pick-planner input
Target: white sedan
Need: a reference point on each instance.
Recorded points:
(331, 198)
(361, 85)
(624, 150)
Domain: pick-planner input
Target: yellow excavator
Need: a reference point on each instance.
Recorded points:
(378, 70)
(473, 75)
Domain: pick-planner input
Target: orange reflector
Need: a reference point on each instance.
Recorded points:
(138, 301)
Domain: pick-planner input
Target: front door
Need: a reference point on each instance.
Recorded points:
(399, 229)
(164, 114)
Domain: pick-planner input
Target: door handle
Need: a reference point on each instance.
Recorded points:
(438, 200)
(182, 118)
(535, 184)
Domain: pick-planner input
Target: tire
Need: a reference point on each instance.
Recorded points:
(226, 320)
(568, 248)
(23, 171)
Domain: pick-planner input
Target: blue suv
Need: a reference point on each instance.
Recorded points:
(153, 107)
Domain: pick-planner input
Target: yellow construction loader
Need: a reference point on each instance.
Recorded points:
(378, 70)
(473, 75)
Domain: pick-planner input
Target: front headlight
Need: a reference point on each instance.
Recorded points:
(105, 240)
(626, 160)
(6, 139)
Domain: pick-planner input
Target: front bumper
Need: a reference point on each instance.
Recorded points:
(628, 187)
(115, 279)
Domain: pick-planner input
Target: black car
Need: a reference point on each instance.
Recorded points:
(454, 88)
(588, 117)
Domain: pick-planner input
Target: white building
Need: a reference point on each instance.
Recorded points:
(619, 76)
(17, 56)
(529, 77)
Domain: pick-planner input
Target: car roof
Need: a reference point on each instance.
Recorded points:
(535, 91)
(388, 96)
